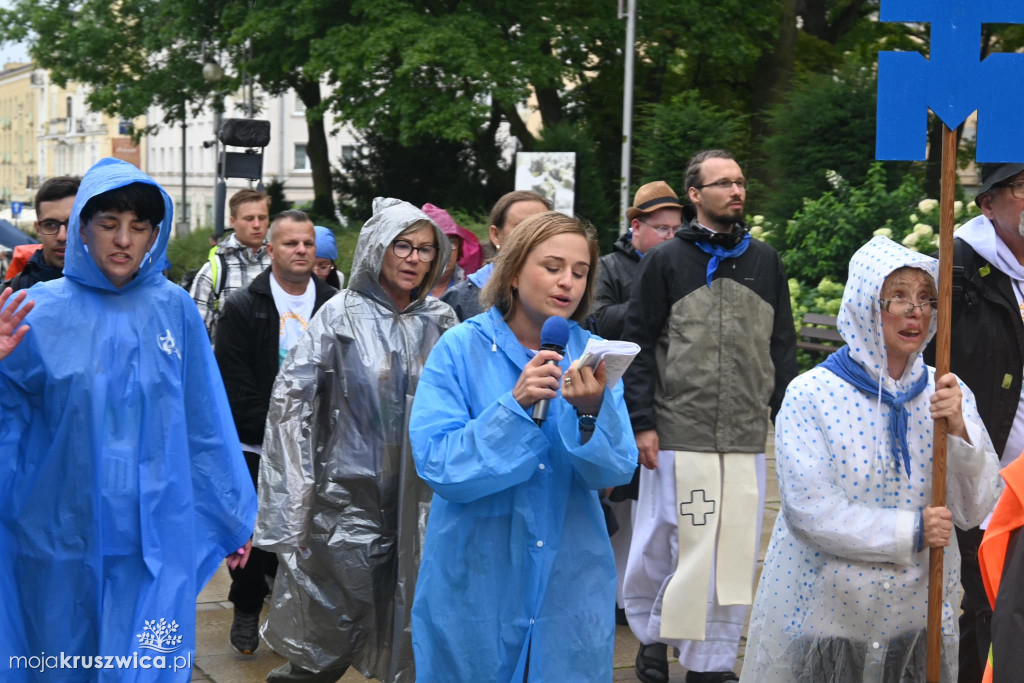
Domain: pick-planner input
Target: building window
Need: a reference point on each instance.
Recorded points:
(301, 160)
(300, 107)
(348, 153)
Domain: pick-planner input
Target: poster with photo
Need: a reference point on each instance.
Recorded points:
(549, 174)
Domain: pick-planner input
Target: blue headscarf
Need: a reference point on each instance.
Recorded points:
(850, 370)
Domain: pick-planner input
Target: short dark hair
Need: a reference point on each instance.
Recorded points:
(244, 196)
(501, 207)
(56, 189)
(289, 214)
(143, 199)
(692, 177)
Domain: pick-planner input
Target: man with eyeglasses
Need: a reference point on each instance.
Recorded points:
(54, 200)
(655, 216)
(710, 310)
(987, 353)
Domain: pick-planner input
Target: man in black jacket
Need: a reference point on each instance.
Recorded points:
(987, 353)
(54, 200)
(655, 216)
(258, 326)
(711, 313)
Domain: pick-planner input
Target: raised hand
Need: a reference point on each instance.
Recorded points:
(10, 318)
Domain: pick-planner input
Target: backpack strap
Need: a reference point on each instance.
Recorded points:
(218, 271)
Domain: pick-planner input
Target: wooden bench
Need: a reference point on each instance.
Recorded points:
(818, 328)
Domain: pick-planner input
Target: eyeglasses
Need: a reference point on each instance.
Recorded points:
(51, 226)
(725, 184)
(902, 307)
(402, 249)
(1016, 188)
(662, 230)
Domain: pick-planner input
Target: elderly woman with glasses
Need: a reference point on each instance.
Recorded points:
(844, 591)
(340, 501)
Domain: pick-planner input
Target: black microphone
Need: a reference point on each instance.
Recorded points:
(554, 335)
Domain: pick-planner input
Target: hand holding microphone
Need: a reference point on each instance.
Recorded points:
(538, 383)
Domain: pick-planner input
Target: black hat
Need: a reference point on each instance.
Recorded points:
(993, 174)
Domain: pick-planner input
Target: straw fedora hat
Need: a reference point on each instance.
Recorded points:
(651, 197)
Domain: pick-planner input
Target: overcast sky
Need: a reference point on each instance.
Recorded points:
(12, 52)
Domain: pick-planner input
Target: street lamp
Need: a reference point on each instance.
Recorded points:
(213, 73)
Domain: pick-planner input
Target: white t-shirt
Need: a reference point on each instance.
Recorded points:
(294, 313)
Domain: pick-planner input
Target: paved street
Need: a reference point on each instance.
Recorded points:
(217, 661)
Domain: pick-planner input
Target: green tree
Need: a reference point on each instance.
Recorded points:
(825, 123)
(141, 53)
(669, 133)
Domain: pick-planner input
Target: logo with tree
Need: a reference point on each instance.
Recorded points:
(159, 636)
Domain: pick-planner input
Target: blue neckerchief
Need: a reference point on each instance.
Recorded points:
(850, 370)
(719, 253)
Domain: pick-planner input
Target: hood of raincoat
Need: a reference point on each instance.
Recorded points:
(390, 218)
(472, 255)
(860, 318)
(109, 174)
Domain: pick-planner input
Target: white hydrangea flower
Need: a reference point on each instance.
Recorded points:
(924, 229)
(884, 232)
(911, 240)
(927, 205)
(913, 218)
(958, 206)
(757, 220)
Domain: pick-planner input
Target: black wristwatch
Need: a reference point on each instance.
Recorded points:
(587, 421)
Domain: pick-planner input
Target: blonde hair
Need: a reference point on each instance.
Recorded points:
(514, 251)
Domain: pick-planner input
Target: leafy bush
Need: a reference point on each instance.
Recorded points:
(824, 234)
(188, 252)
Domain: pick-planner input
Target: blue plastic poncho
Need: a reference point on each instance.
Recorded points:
(517, 558)
(121, 475)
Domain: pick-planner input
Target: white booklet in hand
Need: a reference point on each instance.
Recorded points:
(617, 355)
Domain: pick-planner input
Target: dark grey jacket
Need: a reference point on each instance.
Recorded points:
(714, 361)
(614, 285)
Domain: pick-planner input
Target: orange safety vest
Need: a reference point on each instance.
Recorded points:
(1007, 517)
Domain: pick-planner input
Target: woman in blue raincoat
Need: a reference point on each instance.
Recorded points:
(517, 576)
(120, 474)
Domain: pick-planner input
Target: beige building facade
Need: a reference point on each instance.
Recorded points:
(18, 120)
(72, 138)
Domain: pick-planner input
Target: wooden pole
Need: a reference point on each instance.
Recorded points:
(936, 580)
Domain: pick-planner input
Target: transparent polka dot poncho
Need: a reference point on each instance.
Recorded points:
(843, 593)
